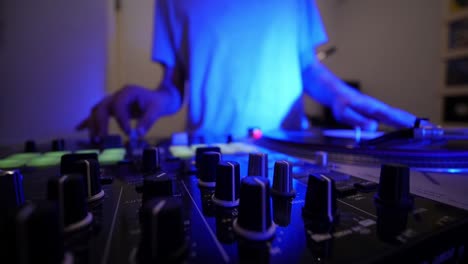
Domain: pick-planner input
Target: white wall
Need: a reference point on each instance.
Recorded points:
(52, 66)
(392, 47)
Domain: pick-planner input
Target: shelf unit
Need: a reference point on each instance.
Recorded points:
(454, 87)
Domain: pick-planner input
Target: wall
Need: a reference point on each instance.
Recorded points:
(392, 47)
(131, 63)
(53, 59)
(52, 66)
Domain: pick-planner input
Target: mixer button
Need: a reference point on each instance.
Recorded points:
(163, 238)
(344, 189)
(227, 184)
(159, 185)
(39, 237)
(321, 158)
(254, 220)
(58, 144)
(320, 200)
(150, 161)
(30, 146)
(69, 192)
(258, 165)
(207, 168)
(11, 191)
(282, 179)
(394, 185)
(366, 186)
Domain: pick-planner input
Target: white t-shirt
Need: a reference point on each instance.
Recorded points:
(242, 59)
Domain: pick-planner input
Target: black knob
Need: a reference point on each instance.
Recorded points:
(91, 172)
(207, 168)
(69, 192)
(163, 238)
(254, 220)
(320, 200)
(30, 146)
(281, 211)
(282, 179)
(150, 161)
(258, 164)
(227, 184)
(393, 190)
(11, 191)
(199, 152)
(67, 161)
(160, 185)
(58, 144)
(39, 237)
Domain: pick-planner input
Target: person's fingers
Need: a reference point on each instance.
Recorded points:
(120, 108)
(84, 124)
(101, 120)
(380, 111)
(353, 118)
(344, 113)
(150, 115)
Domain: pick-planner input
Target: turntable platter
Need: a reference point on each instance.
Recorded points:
(352, 134)
(343, 146)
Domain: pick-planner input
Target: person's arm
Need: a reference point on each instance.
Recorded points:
(134, 101)
(348, 105)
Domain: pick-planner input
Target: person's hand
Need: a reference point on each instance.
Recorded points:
(363, 111)
(129, 102)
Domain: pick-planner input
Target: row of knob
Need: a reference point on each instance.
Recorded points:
(39, 225)
(59, 144)
(162, 219)
(254, 221)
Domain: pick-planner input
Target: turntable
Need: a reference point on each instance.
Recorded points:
(424, 148)
(438, 157)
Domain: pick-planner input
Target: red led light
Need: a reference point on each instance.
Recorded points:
(257, 133)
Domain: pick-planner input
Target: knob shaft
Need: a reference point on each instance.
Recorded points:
(227, 184)
(91, 171)
(11, 191)
(69, 192)
(254, 221)
(150, 161)
(160, 185)
(39, 236)
(320, 201)
(207, 168)
(321, 158)
(163, 237)
(282, 179)
(394, 185)
(258, 164)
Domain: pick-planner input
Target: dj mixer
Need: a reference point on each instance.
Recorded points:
(271, 200)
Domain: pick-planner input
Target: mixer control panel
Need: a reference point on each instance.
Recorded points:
(224, 203)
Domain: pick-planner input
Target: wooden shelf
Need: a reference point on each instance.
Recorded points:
(455, 90)
(457, 15)
(450, 16)
(455, 53)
